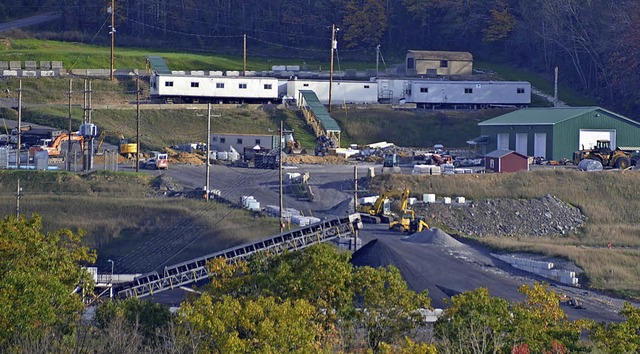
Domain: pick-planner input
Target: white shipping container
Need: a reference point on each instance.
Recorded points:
(446, 200)
(460, 200)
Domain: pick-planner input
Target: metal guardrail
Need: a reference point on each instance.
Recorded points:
(195, 270)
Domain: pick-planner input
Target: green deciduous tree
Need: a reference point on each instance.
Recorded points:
(619, 338)
(479, 323)
(244, 325)
(388, 309)
(38, 273)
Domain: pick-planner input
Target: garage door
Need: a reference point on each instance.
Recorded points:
(503, 141)
(540, 145)
(588, 138)
(521, 144)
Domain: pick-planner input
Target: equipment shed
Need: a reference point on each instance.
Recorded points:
(555, 133)
(505, 161)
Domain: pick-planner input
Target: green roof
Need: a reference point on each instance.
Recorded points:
(548, 116)
(320, 111)
(158, 65)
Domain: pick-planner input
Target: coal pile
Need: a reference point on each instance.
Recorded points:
(377, 253)
(434, 236)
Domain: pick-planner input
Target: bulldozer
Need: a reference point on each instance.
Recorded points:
(615, 158)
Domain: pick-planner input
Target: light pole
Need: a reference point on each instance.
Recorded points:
(111, 279)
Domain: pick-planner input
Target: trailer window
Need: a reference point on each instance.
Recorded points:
(424, 89)
(239, 141)
(268, 86)
(468, 90)
(257, 141)
(168, 83)
(444, 64)
(219, 84)
(411, 63)
(223, 140)
(520, 90)
(242, 86)
(195, 84)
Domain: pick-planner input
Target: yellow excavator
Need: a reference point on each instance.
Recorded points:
(125, 148)
(408, 221)
(380, 210)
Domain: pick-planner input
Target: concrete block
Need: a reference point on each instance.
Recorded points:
(29, 73)
(446, 200)
(461, 200)
(4, 65)
(15, 65)
(30, 65)
(177, 72)
(47, 73)
(9, 73)
(45, 65)
(56, 65)
(292, 68)
(232, 73)
(279, 68)
(197, 73)
(215, 73)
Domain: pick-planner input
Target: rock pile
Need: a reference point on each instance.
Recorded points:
(433, 236)
(545, 216)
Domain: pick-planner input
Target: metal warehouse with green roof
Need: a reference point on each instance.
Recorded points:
(555, 133)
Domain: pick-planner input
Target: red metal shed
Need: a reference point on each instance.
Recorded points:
(505, 161)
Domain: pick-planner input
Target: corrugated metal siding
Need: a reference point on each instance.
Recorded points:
(492, 132)
(566, 134)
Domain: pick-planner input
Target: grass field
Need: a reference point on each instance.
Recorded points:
(608, 199)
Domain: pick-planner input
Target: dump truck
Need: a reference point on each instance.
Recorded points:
(602, 152)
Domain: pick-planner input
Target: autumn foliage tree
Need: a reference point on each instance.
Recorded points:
(39, 274)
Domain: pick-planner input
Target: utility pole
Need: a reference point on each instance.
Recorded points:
(244, 72)
(334, 46)
(18, 195)
(137, 124)
(377, 58)
(355, 205)
(113, 32)
(555, 90)
(69, 143)
(19, 124)
(280, 175)
(207, 187)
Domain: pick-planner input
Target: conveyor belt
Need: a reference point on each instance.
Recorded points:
(195, 270)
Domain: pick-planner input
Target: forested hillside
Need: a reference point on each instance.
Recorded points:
(594, 43)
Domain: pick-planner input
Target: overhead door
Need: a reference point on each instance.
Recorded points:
(588, 138)
(521, 144)
(503, 141)
(540, 145)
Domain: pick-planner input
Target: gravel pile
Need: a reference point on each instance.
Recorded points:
(545, 216)
(434, 236)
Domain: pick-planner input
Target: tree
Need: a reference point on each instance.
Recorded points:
(38, 277)
(387, 308)
(479, 323)
(619, 338)
(244, 325)
(365, 22)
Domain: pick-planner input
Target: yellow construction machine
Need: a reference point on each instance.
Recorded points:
(125, 148)
(408, 221)
(602, 152)
(380, 210)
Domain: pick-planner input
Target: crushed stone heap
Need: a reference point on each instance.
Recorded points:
(545, 216)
